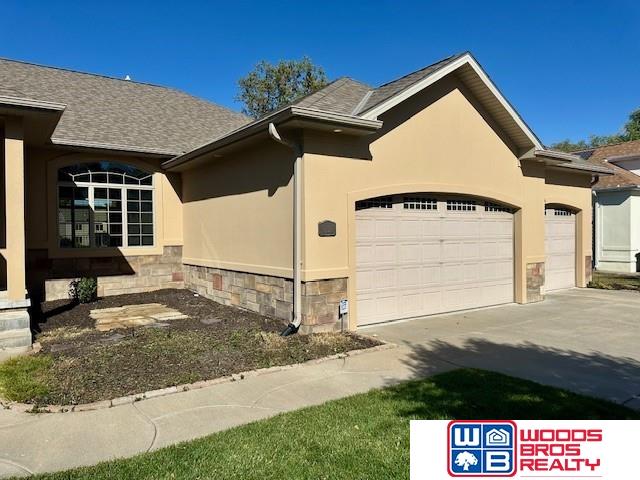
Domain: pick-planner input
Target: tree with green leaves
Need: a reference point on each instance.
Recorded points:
(268, 87)
(630, 131)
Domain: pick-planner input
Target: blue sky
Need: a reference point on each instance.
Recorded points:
(571, 68)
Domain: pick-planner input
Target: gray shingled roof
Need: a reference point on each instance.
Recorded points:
(340, 96)
(352, 97)
(391, 89)
(134, 116)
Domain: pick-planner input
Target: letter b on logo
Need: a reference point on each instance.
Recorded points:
(497, 461)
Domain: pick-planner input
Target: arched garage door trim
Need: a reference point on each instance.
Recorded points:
(436, 189)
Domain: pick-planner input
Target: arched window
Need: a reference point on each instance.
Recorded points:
(105, 204)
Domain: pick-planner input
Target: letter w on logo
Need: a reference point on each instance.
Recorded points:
(467, 436)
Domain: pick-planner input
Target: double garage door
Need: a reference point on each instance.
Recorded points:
(423, 254)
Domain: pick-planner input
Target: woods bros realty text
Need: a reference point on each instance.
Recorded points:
(542, 449)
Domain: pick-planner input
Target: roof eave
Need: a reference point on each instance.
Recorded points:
(620, 188)
(31, 103)
(85, 144)
(306, 118)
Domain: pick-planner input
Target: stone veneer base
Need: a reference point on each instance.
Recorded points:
(271, 296)
(116, 275)
(535, 282)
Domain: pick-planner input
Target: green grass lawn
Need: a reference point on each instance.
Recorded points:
(615, 281)
(362, 437)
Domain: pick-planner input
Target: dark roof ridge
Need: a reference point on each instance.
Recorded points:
(99, 75)
(449, 58)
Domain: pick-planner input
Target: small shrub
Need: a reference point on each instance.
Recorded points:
(84, 290)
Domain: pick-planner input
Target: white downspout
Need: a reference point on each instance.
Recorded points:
(297, 230)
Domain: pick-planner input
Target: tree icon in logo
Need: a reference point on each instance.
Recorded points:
(466, 460)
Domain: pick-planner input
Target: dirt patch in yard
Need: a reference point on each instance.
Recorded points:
(88, 365)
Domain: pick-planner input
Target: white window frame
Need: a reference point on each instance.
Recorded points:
(123, 192)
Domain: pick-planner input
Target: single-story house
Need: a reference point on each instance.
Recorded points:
(616, 205)
(424, 195)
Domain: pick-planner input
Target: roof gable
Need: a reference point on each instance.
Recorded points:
(476, 80)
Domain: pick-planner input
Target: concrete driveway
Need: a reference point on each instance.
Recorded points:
(584, 340)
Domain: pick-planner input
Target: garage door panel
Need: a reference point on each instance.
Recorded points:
(418, 262)
(431, 274)
(560, 247)
(431, 252)
(409, 253)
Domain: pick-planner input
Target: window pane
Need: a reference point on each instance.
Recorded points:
(134, 228)
(133, 217)
(115, 217)
(146, 218)
(146, 195)
(134, 241)
(100, 204)
(133, 206)
(115, 178)
(99, 177)
(100, 193)
(115, 205)
(146, 206)
(65, 192)
(100, 217)
(115, 194)
(115, 228)
(115, 241)
(131, 181)
(133, 194)
(147, 240)
(147, 229)
(82, 215)
(146, 181)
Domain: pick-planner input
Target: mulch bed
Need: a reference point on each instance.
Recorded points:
(215, 341)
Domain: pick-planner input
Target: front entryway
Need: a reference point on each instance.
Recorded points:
(560, 247)
(421, 254)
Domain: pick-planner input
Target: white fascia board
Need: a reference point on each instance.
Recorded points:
(441, 73)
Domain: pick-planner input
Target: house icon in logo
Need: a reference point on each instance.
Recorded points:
(497, 437)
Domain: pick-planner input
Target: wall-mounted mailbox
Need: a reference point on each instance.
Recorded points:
(327, 228)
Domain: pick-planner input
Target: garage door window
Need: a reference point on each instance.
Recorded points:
(461, 206)
(380, 202)
(494, 207)
(419, 203)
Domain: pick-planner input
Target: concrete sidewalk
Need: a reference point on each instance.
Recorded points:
(48, 442)
(583, 340)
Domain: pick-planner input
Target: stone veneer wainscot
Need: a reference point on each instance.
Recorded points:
(271, 296)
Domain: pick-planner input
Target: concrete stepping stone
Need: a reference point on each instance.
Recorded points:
(129, 316)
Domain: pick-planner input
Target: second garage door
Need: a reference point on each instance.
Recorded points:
(560, 247)
(419, 254)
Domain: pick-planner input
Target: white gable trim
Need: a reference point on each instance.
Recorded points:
(374, 112)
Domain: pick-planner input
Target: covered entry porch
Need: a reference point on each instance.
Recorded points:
(20, 120)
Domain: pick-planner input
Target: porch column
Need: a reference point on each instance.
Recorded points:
(14, 201)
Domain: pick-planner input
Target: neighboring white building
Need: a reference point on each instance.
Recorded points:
(617, 207)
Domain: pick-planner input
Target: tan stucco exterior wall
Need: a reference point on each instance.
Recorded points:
(41, 203)
(238, 211)
(436, 142)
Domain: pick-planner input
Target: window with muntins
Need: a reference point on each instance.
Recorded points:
(379, 202)
(105, 204)
(461, 205)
